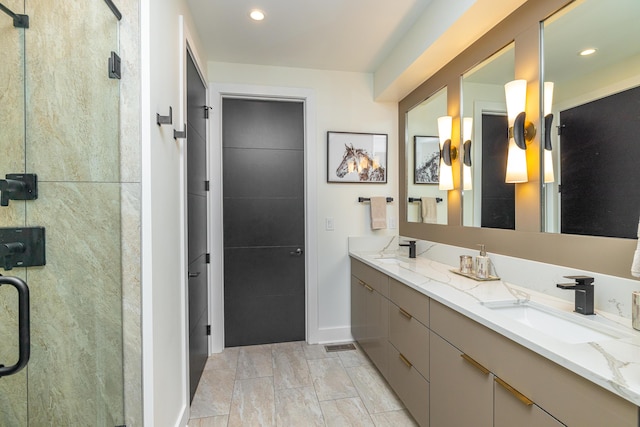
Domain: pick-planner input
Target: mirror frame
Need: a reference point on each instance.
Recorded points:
(527, 241)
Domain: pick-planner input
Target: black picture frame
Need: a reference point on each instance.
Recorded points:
(426, 159)
(354, 157)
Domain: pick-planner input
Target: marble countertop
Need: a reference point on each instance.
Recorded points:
(613, 363)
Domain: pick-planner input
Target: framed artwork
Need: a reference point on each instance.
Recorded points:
(426, 159)
(357, 157)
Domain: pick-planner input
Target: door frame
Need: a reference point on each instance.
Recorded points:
(216, 279)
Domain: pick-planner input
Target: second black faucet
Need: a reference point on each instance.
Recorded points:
(584, 293)
(412, 248)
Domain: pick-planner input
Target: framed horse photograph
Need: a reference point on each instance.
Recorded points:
(426, 159)
(357, 157)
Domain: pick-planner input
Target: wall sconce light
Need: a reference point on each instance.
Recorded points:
(448, 153)
(520, 131)
(548, 122)
(467, 126)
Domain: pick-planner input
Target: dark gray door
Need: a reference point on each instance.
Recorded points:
(600, 174)
(263, 190)
(197, 223)
(498, 197)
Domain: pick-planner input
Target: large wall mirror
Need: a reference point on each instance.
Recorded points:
(592, 58)
(487, 200)
(608, 87)
(427, 175)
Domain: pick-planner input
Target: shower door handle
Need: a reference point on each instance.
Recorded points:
(24, 334)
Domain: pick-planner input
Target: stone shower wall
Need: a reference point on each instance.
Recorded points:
(82, 129)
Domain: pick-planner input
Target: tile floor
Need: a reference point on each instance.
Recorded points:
(294, 384)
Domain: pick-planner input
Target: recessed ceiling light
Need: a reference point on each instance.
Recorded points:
(257, 15)
(587, 52)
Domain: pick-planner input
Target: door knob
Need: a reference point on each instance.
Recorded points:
(297, 252)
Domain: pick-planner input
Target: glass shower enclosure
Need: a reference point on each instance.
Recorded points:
(59, 119)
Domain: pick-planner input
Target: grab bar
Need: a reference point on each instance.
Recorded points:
(24, 333)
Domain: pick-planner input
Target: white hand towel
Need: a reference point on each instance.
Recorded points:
(378, 213)
(429, 209)
(635, 265)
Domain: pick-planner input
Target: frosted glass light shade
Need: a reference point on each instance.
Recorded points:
(516, 94)
(444, 129)
(548, 97)
(467, 181)
(467, 126)
(446, 177)
(516, 164)
(548, 167)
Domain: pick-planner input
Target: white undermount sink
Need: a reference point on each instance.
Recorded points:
(567, 327)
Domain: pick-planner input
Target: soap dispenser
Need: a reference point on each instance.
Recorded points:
(482, 264)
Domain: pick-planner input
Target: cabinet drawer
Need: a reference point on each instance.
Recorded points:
(461, 392)
(410, 386)
(508, 409)
(410, 300)
(371, 276)
(566, 396)
(410, 337)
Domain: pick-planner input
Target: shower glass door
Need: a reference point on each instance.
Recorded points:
(59, 119)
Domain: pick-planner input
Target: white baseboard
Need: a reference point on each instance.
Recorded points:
(332, 335)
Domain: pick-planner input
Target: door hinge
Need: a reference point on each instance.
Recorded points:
(559, 188)
(206, 185)
(207, 259)
(115, 66)
(560, 129)
(206, 111)
(208, 329)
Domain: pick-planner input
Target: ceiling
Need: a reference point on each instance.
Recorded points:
(583, 24)
(341, 35)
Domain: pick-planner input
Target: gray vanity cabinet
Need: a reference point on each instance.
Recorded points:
(464, 392)
(461, 393)
(370, 312)
(450, 370)
(358, 309)
(409, 348)
(557, 396)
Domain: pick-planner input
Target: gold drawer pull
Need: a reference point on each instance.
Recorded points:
(476, 364)
(404, 359)
(361, 283)
(405, 314)
(369, 288)
(521, 397)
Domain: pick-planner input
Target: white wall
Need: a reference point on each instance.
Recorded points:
(344, 102)
(165, 379)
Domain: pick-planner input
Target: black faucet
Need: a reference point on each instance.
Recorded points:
(412, 248)
(584, 293)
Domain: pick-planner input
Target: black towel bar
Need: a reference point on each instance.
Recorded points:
(418, 199)
(367, 199)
